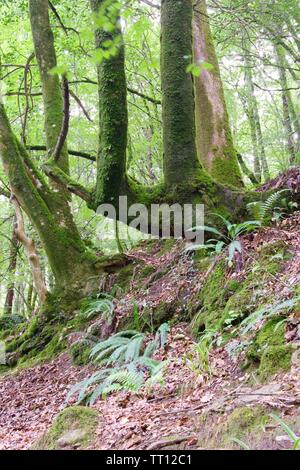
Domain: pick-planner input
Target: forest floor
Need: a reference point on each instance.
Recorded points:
(191, 409)
(171, 415)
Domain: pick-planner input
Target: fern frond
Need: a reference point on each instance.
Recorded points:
(260, 210)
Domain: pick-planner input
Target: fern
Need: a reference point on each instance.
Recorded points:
(267, 311)
(294, 438)
(228, 240)
(102, 305)
(130, 365)
(262, 210)
(122, 347)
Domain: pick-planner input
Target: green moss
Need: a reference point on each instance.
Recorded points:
(212, 300)
(73, 427)
(243, 423)
(147, 271)
(124, 276)
(243, 420)
(274, 359)
(225, 169)
(180, 156)
(271, 334)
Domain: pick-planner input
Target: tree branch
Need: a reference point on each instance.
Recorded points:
(75, 153)
(80, 104)
(31, 251)
(142, 95)
(53, 9)
(4, 193)
(246, 170)
(59, 176)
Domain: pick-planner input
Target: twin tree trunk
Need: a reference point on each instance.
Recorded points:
(47, 205)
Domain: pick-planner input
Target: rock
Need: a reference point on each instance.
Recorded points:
(71, 438)
(74, 427)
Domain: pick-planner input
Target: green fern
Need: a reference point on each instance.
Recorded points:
(102, 305)
(262, 210)
(130, 365)
(121, 347)
(267, 311)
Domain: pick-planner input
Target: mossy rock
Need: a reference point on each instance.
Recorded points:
(243, 421)
(275, 359)
(73, 428)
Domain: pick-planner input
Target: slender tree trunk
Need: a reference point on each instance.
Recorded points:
(13, 258)
(260, 159)
(31, 252)
(289, 114)
(213, 134)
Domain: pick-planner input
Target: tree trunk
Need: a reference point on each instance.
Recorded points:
(13, 258)
(67, 254)
(260, 159)
(180, 162)
(213, 134)
(287, 107)
(113, 118)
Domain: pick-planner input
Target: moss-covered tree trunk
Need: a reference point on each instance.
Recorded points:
(67, 254)
(213, 135)
(113, 118)
(47, 207)
(180, 157)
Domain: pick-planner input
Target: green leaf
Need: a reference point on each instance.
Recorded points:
(58, 70)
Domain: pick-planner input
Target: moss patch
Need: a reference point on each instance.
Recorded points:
(271, 334)
(274, 359)
(212, 300)
(73, 428)
(242, 421)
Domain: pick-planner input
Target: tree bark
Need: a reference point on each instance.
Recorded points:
(213, 134)
(31, 252)
(13, 258)
(180, 162)
(113, 116)
(287, 107)
(260, 159)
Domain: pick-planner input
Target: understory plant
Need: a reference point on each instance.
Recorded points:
(229, 240)
(197, 359)
(274, 208)
(294, 438)
(129, 365)
(267, 312)
(103, 304)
